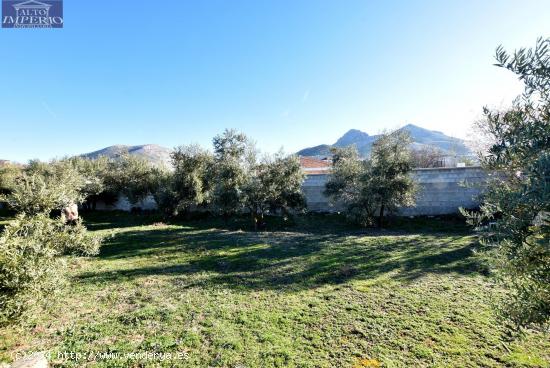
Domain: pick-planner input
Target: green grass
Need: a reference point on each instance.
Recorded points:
(314, 293)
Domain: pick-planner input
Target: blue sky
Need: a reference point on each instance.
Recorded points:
(288, 73)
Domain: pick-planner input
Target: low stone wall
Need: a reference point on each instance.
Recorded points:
(442, 191)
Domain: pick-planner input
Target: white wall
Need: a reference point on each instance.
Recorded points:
(123, 204)
(441, 191)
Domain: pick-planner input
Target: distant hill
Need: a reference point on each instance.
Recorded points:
(421, 137)
(154, 153)
(160, 155)
(321, 150)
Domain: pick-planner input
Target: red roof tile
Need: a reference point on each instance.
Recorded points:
(314, 163)
(315, 166)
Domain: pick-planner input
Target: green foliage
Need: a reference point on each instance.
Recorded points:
(284, 177)
(104, 179)
(377, 185)
(346, 188)
(532, 66)
(8, 174)
(514, 218)
(95, 173)
(42, 188)
(31, 245)
(234, 155)
(232, 144)
(230, 181)
(131, 176)
(273, 184)
(388, 179)
(241, 181)
(191, 183)
(165, 194)
(30, 266)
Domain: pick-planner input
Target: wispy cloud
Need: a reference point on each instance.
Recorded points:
(306, 95)
(49, 109)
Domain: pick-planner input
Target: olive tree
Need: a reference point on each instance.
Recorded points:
(346, 188)
(8, 174)
(239, 181)
(191, 182)
(371, 188)
(43, 187)
(132, 176)
(388, 180)
(31, 245)
(514, 220)
(234, 157)
(104, 179)
(95, 171)
(273, 184)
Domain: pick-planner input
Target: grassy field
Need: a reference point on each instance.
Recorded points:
(315, 294)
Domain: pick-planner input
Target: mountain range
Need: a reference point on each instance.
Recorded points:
(421, 138)
(154, 153)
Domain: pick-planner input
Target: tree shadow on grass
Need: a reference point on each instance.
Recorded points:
(103, 220)
(206, 257)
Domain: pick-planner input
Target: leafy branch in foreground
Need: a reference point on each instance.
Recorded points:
(33, 245)
(515, 214)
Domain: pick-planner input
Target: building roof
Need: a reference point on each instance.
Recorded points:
(315, 166)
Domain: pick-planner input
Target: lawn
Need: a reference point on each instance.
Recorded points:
(317, 293)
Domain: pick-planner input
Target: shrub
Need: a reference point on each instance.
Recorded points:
(31, 246)
(30, 264)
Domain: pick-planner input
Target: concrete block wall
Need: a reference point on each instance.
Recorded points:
(313, 188)
(441, 191)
